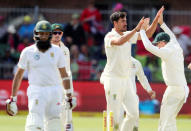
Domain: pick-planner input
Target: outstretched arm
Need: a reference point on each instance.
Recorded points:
(151, 29)
(128, 36)
(162, 52)
(143, 80)
(166, 29)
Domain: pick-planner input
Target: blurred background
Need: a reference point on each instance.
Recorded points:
(84, 38)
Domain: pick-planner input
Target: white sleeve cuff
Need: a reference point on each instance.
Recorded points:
(163, 25)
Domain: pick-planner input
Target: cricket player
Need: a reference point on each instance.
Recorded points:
(46, 66)
(66, 114)
(137, 70)
(169, 50)
(115, 76)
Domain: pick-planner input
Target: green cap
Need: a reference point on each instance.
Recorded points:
(57, 26)
(162, 36)
(43, 26)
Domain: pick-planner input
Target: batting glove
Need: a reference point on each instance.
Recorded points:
(70, 103)
(11, 106)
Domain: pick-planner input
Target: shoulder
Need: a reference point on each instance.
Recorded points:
(29, 48)
(64, 48)
(56, 49)
(110, 35)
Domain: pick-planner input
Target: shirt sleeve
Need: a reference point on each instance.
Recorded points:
(108, 40)
(170, 33)
(162, 52)
(141, 77)
(61, 59)
(133, 39)
(23, 60)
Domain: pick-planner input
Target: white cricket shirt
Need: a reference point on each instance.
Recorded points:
(42, 67)
(172, 58)
(137, 70)
(118, 57)
(67, 58)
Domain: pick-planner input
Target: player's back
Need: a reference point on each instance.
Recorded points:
(173, 66)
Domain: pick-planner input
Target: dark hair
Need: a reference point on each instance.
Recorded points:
(117, 15)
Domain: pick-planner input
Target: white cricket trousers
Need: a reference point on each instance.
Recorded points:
(44, 104)
(172, 102)
(120, 94)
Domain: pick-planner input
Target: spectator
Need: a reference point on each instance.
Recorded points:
(8, 58)
(91, 20)
(74, 32)
(84, 55)
(12, 38)
(26, 29)
(183, 40)
(75, 53)
(25, 42)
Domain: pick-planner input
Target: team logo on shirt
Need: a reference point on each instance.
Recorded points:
(52, 54)
(36, 56)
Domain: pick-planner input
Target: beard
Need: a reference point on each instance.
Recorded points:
(43, 45)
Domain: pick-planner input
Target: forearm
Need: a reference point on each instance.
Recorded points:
(152, 28)
(16, 83)
(144, 82)
(123, 39)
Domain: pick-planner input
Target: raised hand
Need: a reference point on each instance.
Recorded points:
(160, 15)
(145, 25)
(138, 27)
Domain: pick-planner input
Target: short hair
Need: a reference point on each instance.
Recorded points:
(117, 15)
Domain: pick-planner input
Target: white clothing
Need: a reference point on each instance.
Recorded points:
(174, 77)
(137, 70)
(117, 82)
(43, 105)
(118, 57)
(42, 67)
(67, 58)
(172, 58)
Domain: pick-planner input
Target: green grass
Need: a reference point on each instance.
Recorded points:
(89, 123)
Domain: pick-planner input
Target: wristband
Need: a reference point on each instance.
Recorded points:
(136, 29)
(68, 91)
(66, 78)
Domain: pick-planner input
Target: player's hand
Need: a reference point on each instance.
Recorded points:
(152, 94)
(160, 15)
(145, 25)
(189, 66)
(70, 103)
(138, 27)
(11, 106)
